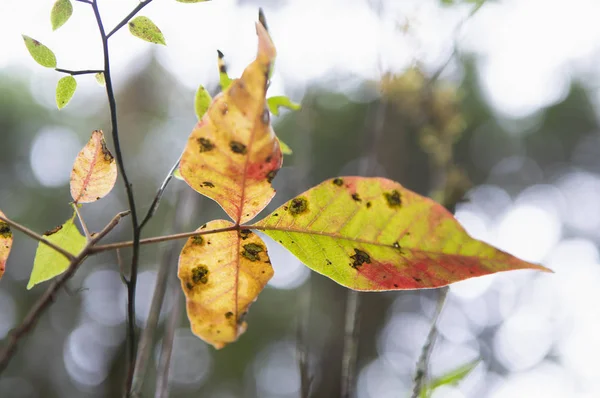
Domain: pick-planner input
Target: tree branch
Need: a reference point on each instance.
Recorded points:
(48, 297)
(128, 17)
(159, 194)
(37, 237)
(162, 376)
(79, 72)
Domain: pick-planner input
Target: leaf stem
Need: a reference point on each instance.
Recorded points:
(158, 196)
(132, 14)
(79, 72)
(37, 237)
(131, 284)
(82, 222)
(48, 297)
(423, 364)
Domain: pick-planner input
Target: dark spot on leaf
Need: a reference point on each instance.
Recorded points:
(107, 155)
(237, 147)
(189, 286)
(202, 227)
(200, 274)
(298, 206)
(395, 285)
(53, 231)
(271, 174)
(356, 198)
(396, 245)
(368, 205)
(417, 279)
(5, 230)
(338, 181)
(268, 159)
(228, 314)
(328, 262)
(208, 184)
(242, 317)
(393, 198)
(360, 257)
(251, 251)
(223, 68)
(276, 215)
(220, 54)
(265, 116)
(205, 144)
(245, 233)
(224, 109)
(197, 240)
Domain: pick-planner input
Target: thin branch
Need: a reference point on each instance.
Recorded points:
(165, 238)
(84, 1)
(423, 364)
(37, 237)
(350, 353)
(302, 349)
(131, 286)
(82, 222)
(128, 17)
(162, 376)
(79, 72)
(48, 297)
(158, 196)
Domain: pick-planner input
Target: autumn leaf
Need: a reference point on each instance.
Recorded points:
(6, 240)
(224, 79)
(39, 52)
(373, 234)
(232, 155)
(64, 91)
(94, 171)
(221, 275)
(61, 12)
(145, 29)
(49, 263)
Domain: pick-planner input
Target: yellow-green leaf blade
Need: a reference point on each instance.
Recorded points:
(224, 79)
(100, 78)
(61, 12)
(94, 171)
(39, 52)
(281, 101)
(232, 155)
(202, 102)
(65, 88)
(221, 275)
(373, 234)
(285, 148)
(6, 241)
(143, 28)
(452, 377)
(48, 262)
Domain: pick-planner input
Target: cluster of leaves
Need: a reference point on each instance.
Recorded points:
(368, 234)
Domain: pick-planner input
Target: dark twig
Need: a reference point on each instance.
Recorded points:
(84, 1)
(423, 364)
(131, 285)
(128, 17)
(37, 237)
(48, 297)
(158, 196)
(79, 72)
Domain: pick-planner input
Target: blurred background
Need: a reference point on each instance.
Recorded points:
(498, 99)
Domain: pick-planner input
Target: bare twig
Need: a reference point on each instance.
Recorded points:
(423, 364)
(79, 72)
(158, 196)
(48, 297)
(82, 222)
(37, 237)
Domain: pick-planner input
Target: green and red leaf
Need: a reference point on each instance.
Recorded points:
(221, 275)
(232, 154)
(373, 234)
(6, 241)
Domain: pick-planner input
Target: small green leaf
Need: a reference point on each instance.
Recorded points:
(40, 53)
(224, 80)
(61, 12)
(64, 91)
(100, 78)
(274, 103)
(145, 29)
(285, 149)
(201, 102)
(48, 262)
(453, 377)
(177, 174)
(190, 1)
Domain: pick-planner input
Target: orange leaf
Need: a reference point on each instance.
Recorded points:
(94, 171)
(221, 275)
(6, 240)
(374, 234)
(232, 155)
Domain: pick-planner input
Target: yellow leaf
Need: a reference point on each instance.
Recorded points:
(94, 171)
(232, 155)
(6, 240)
(221, 275)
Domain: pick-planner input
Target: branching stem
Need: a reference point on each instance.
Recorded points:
(79, 72)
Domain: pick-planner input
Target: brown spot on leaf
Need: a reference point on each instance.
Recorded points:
(298, 206)
(396, 245)
(107, 155)
(205, 144)
(197, 240)
(356, 198)
(228, 314)
(328, 262)
(338, 181)
(53, 231)
(237, 147)
(245, 233)
(208, 184)
(271, 175)
(368, 205)
(393, 198)
(189, 286)
(200, 274)
(5, 230)
(251, 251)
(360, 257)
